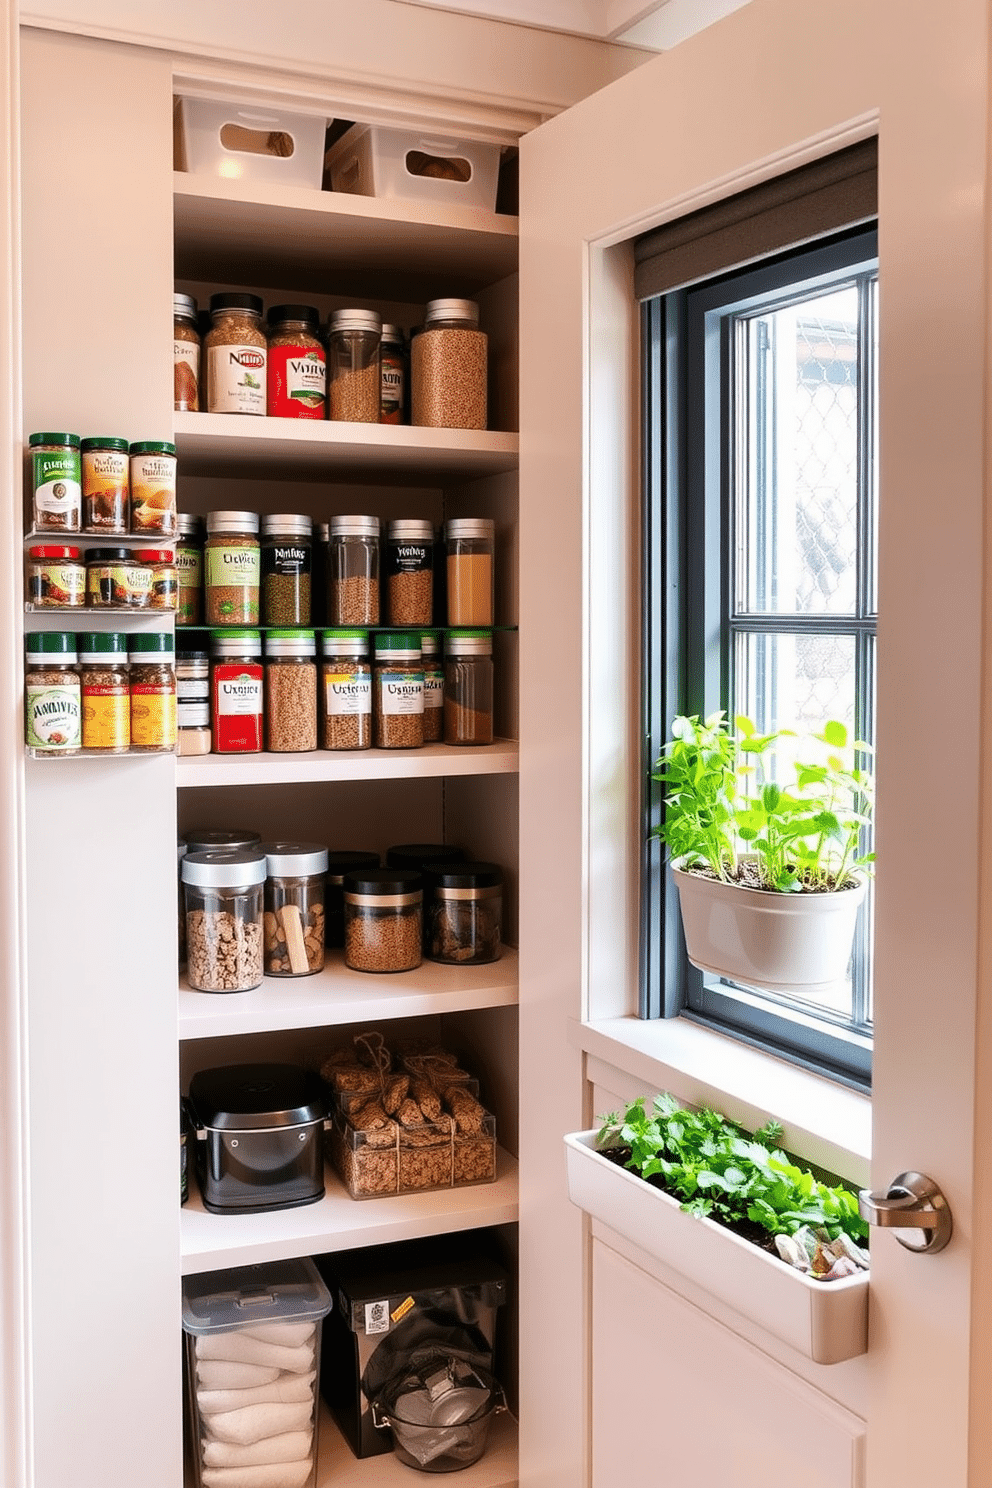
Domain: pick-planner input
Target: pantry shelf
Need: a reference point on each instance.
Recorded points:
(338, 995)
(432, 761)
(210, 1242)
(338, 1467)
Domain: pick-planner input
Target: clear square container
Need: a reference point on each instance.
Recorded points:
(397, 1160)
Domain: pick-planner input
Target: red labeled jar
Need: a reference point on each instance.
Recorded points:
(236, 679)
(297, 366)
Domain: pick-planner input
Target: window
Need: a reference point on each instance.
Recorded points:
(760, 592)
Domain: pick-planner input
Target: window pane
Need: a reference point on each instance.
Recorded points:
(796, 503)
(795, 681)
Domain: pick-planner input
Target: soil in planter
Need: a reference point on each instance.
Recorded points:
(748, 876)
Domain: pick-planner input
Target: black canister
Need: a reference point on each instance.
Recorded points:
(463, 912)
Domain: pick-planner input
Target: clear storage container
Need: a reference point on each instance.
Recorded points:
(287, 564)
(232, 566)
(353, 571)
(290, 691)
(243, 142)
(223, 891)
(346, 690)
(383, 920)
(294, 927)
(106, 485)
(398, 691)
(468, 687)
(463, 912)
(409, 568)
(236, 355)
(354, 377)
(339, 863)
(376, 160)
(449, 368)
(470, 544)
(430, 652)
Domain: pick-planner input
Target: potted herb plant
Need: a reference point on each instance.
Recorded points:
(770, 875)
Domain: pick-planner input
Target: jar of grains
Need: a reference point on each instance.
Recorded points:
(318, 577)
(398, 692)
(470, 546)
(448, 368)
(409, 567)
(354, 381)
(393, 361)
(231, 561)
(55, 579)
(236, 354)
(164, 591)
(116, 580)
(287, 563)
(56, 482)
(153, 691)
(383, 920)
(463, 912)
(192, 701)
(236, 691)
(153, 488)
(297, 369)
(346, 690)
(338, 864)
(106, 486)
(186, 354)
(223, 891)
(430, 652)
(104, 690)
(468, 687)
(189, 569)
(290, 691)
(353, 571)
(293, 927)
(52, 705)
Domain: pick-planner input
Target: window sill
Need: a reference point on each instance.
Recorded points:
(824, 1123)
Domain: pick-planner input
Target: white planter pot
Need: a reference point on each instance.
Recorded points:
(827, 1321)
(778, 941)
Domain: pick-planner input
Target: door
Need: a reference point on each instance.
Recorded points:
(777, 83)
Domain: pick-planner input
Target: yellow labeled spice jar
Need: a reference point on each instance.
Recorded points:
(153, 691)
(105, 695)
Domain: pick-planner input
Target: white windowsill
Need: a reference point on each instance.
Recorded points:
(824, 1123)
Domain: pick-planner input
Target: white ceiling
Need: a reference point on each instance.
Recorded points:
(655, 24)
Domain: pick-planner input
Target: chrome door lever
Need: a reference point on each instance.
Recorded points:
(913, 1204)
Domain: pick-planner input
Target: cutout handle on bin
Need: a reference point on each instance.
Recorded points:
(436, 166)
(243, 140)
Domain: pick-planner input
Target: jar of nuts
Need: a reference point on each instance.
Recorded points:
(382, 920)
(287, 561)
(290, 691)
(353, 571)
(236, 354)
(346, 689)
(52, 706)
(293, 926)
(354, 379)
(463, 911)
(448, 368)
(223, 892)
(231, 561)
(409, 565)
(398, 691)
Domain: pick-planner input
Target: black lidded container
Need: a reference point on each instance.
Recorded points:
(338, 864)
(463, 912)
(420, 857)
(259, 1137)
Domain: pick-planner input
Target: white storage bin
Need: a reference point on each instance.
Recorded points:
(252, 144)
(370, 160)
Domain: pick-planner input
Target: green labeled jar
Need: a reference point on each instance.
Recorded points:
(52, 703)
(56, 482)
(232, 568)
(153, 488)
(105, 695)
(189, 569)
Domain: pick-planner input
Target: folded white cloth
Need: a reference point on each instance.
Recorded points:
(288, 1446)
(287, 1390)
(240, 1348)
(291, 1334)
(221, 1374)
(278, 1475)
(253, 1422)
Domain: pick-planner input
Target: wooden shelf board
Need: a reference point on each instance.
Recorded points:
(433, 761)
(211, 1242)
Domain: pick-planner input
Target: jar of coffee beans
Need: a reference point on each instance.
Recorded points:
(52, 706)
(236, 358)
(346, 689)
(448, 368)
(353, 571)
(398, 691)
(287, 561)
(354, 381)
(468, 687)
(223, 892)
(232, 568)
(290, 691)
(409, 566)
(293, 926)
(383, 920)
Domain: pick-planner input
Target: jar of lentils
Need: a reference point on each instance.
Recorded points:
(56, 482)
(231, 561)
(448, 368)
(52, 705)
(383, 920)
(290, 691)
(468, 687)
(186, 354)
(353, 571)
(236, 350)
(189, 570)
(398, 691)
(354, 381)
(223, 892)
(293, 927)
(236, 691)
(409, 565)
(106, 486)
(105, 693)
(56, 578)
(297, 370)
(430, 652)
(346, 690)
(287, 563)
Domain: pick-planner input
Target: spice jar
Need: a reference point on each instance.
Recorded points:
(236, 355)
(106, 486)
(56, 482)
(186, 354)
(354, 384)
(290, 691)
(153, 488)
(346, 690)
(105, 694)
(470, 543)
(153, 691)
(223, 892)
(164, 579)
(468, 687)
(116, 580)
(430, 652)
(55, 579)
(409, 566)
(293, 927)
(236, 691)
(463, 912)
(192, 701)
(338, 864)
(231, 568)
(353, 571)
(287, 560)
(448, 371)
(398, 692)
(318, 578)
(189, 569)
(297, 370)
(393, 361)
(383, 920)
(52, 705)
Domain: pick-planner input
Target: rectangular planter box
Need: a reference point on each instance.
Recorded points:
(827, 1321)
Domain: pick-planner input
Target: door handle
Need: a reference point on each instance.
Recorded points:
(914, 1205)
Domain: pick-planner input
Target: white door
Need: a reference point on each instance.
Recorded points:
(775, 84)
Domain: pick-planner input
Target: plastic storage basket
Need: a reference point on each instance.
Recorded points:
(370, 160)
(251, 144)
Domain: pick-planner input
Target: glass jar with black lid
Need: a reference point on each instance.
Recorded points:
(383, 920)
(463, 912)
(339, 863)
(287, 565)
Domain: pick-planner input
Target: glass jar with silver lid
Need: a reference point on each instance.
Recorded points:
(449, 368)
(232, 564)
(409, 571)
(287, 566)
(354, 381)
(353, 571)
(294, 930)
(223, 892)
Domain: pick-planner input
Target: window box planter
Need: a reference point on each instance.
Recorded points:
(826, 1321)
